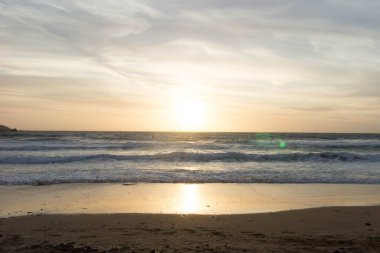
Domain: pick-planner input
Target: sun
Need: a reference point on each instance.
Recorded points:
(189, 111)
(189, 114)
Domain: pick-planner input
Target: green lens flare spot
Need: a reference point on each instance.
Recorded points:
(282, 144)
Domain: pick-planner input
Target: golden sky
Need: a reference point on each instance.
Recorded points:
(288, 66)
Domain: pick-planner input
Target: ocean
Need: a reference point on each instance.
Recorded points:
(37, 158)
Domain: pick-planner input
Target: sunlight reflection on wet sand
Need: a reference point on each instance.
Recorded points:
(190, 200)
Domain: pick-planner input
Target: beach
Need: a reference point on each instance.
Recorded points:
(189, 192)
(189, 126)
(190, 218)
(332, 229)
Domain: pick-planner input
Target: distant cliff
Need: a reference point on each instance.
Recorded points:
(5, 128)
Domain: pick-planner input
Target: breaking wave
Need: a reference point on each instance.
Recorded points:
(197, 157)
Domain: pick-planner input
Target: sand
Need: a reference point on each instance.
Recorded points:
(180, 198)
(333, 229)
(190, 218)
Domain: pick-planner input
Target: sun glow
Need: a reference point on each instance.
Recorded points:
(189, 111)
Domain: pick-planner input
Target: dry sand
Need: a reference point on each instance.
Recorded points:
(332, 229)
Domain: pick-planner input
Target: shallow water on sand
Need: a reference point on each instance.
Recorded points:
(180, 198)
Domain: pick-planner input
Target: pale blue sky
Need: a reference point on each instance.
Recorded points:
(264, 65)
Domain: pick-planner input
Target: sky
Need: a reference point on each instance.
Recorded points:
(200, 65)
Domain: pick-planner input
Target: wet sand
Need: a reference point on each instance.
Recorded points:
(332, 229)
(180, 198)
(190, 218)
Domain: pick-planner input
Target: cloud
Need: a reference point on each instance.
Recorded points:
(314, 56)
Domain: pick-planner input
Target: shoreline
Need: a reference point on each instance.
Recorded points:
(326, 229)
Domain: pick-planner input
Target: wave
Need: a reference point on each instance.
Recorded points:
(170, 175)
(125, 146)
(197, 157)
(194, 146)
(74, 147)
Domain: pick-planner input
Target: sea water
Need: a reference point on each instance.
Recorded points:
(127, 157)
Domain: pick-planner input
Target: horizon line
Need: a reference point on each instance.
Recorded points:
(179, 131)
